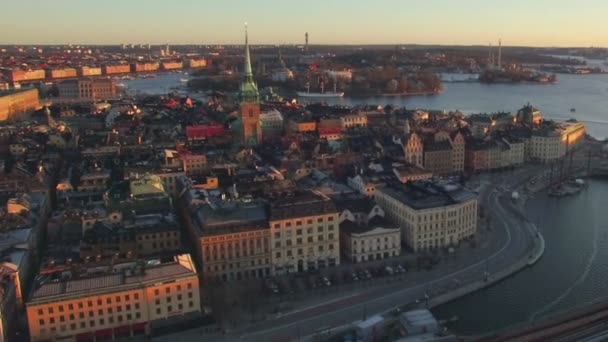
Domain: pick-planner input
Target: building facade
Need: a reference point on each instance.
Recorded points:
(304, 233)
(87, 89)
(121, 302)
(15, 105)
(430, 215)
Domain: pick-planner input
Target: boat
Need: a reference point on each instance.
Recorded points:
(183, 80)
(572, 110)
(322, 94)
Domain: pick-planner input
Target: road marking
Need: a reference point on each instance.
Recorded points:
(320, 304)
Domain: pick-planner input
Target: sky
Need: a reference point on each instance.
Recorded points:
(448, 22)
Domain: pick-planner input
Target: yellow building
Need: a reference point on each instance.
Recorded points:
(15, 105)
(304, 233)
(430, 215)
(552, 141)
(120, 301)
(358, 120)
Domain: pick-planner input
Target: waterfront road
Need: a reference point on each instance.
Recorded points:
(512, 240)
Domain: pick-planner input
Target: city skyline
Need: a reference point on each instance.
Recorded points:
(441, 22)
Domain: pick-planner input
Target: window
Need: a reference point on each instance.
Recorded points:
(189, 294)
(191, 304)
(50, 310)
(179, 297)
(108, 300)
(39, 311)
(136, 296)
(127, 297)
(158, 311)
(41, 321)
(156, 292)
(189, 286)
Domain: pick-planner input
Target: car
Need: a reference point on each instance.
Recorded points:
(366, 274)
(354, 276)
(271, 286)
(326, 281)
(401, 269)
(389, 270)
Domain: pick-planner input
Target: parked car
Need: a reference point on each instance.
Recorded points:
(271, 286)
(400, 269)
(389, 270)
(326, 281)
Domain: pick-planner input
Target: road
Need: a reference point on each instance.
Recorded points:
(512, 240)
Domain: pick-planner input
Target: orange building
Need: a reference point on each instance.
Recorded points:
(196, 63)
(171, 65)
(116, 69)
(25, 75)
(125, 300)
(89, 71)
(144, 67)
(15, 105)
(62, 73)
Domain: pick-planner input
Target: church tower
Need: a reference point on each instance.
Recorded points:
(249, 98)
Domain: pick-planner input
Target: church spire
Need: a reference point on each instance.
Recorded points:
(249, 90)
(248, 72)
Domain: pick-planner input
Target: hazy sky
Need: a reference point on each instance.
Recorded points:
(517, 22)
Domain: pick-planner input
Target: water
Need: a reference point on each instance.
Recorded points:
(588, 94)
(571, 273)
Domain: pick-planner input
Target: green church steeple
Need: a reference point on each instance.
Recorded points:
(249, 89)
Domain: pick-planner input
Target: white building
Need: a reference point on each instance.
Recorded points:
(431, 215)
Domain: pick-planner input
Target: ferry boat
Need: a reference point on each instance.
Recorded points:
(322, 94)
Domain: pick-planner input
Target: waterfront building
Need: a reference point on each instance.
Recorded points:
(304, 233)
(61, 73)
(171, 65)
(115, 301)
(551, 141)
(87, 89)
(15, 76)
(145, 67)
(87, 71)
(15, 105)
(431, 215)
(112, 69)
